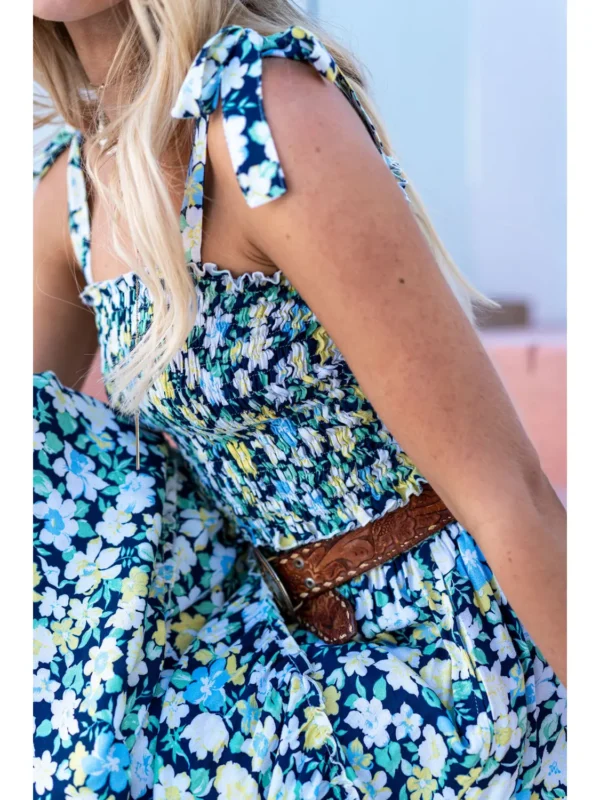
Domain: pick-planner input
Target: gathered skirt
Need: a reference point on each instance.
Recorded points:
(164, 669)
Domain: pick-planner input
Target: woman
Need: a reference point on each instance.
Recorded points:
(273, 601)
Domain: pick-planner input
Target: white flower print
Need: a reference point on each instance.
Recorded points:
(399, 675)
(256, 184)
(232, 77)
(192, 233)
(136, 666)
(207, 734)
(63, 402)
(480, 736)
(433, 751)
(93, 566)
(260, 132)
(174, 708)
(137, 493)
(63, 714)
(395, 616)
(290, 736)
(43, 770)
(356, 663)
(502, 643)
(372, 719)
(172, 786)
(44, 648)
(235, 126)
(83, 613)
(99, 415)
(115, 526)
(52, 604)
(497, 687)
(129, 613)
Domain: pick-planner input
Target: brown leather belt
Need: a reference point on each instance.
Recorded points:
(304, 580)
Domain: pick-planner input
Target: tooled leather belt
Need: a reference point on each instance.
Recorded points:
(304, 580)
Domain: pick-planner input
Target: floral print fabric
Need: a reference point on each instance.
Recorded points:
(162, 666)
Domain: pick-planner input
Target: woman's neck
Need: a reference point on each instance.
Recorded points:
(96, 40)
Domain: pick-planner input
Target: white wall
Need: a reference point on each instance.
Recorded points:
(473, 94)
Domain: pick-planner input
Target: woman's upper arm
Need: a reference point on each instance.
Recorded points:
(346, 238)
(64, 329)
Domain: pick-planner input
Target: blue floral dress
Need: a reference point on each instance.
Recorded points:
(163, 667)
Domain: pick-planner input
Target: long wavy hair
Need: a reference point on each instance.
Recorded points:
(159, 42)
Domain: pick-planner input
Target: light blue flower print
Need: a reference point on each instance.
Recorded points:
(221, 563)
(471, 560)
(108, 762)
(408, 723)
(59, 525)
(136, 493)
(285, 430)
(212, 388)
(206, 688)
(81, 474)
(142, 771)
(44, 686)
(216, 331)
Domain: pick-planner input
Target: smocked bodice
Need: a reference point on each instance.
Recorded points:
(259, 400)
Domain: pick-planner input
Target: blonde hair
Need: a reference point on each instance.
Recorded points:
(159, 42)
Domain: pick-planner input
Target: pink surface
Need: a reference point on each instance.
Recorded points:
(533, 367)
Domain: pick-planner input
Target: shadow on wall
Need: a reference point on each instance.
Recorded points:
(534, 370)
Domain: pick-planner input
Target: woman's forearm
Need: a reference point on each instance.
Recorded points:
(527, 552)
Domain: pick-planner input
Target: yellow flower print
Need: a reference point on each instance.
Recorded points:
(332, 696)
(75, 760)
(36, 579)
(437, 674)
(317, 728)
(242, 457)
(468, 780)
(160, 634)
(203, 656)
(298, 33)
(357, 756)
(235, 783)
(421, 784)
(325, 346)
(248, 496)
(168, 392)
(136, 585)
(340, 437)
(65, 636)
(482, 597)
(236, 673)
(186, 626)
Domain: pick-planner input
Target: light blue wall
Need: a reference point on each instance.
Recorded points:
(473, 93)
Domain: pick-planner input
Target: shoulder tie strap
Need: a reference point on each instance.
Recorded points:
(229, 69)
(79, 216)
